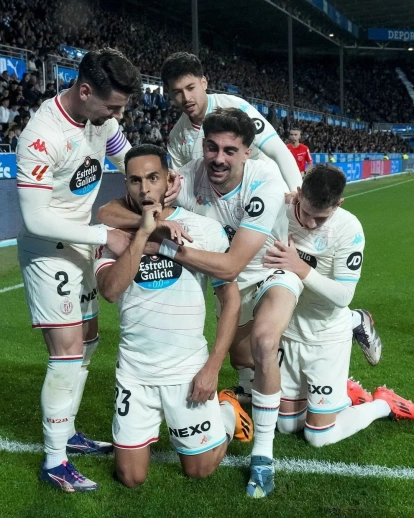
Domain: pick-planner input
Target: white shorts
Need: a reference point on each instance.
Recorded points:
(283, 278)
(316, 373)
(139, 410)
(59, 292)
(247, 305)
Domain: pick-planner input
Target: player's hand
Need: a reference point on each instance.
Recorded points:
(204, 385)
(118, 241)
(286, 258)
(149, 218)
(291, 198)
(172, 230)
(172, 193)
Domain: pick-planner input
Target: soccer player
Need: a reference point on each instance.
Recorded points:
(247, 198)
(182, 74)
(163, 367)
(60, 160)
(326, 252)
(300, 152)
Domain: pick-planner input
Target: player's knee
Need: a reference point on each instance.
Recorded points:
(130, 479)
(318, 438)
(289, 425)
(264, 345)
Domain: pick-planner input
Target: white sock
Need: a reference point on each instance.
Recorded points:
(89, 347)
(246, 377)
(348, 422)
(56, 404)
(356, 319)
(229, 418)
(291, 422)
(265, 409)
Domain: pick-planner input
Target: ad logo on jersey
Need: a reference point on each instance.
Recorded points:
(86, 177)
(39, 146)
(255, 208)
(157, 272)
(354, 261)
(260, 125)
(309, 259)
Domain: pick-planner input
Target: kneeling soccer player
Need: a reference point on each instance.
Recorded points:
(163, 367)
(326, 252)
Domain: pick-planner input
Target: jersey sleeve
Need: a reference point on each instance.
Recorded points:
(268, 141)
(347, 268)
(117, 145)
(263, 201)
(38, 158)
(177, 160)
(308, 158)
(186, 198)
(103, 257)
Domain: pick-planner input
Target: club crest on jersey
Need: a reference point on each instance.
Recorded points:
(86, 177)
(157, 272)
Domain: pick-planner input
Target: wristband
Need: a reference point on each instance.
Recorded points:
(101, 234)
(168, 248)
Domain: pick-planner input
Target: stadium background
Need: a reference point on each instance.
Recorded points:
(244, 47)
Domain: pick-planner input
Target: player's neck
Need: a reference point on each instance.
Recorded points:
(68, 102)
(295, 144)
(167, 212)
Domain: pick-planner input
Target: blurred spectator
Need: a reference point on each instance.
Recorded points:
(11, 139)
(4, 111)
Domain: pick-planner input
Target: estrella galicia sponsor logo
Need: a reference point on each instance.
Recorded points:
(256, 207)
(309, 259)
(189, 431)
(86, 177)
(157, 272)
(318, 389)
(354, 261)
(260, 125)
(230, 232)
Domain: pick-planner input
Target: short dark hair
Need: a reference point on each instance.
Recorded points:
(180, 64)
(323, 186)
(107, 70)
(233, 120)
(147, 150)
(295, 129)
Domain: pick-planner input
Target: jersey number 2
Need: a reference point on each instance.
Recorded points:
(59, 276)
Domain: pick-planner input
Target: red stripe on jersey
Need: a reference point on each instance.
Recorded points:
(124, 447)
(103, 266)
(291, 399)
(32, 186)
(219, 194)
(297, 215)
(73, 324)
(67, 117)
(65, 358)
(198, 128)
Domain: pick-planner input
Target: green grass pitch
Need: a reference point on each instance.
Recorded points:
(385, 209)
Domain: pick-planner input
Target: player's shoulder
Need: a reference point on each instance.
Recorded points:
(182, 123)
(201, 226)
(191, 168)
(263, 171)
(345, 222)
(228, 101)
(46, 119)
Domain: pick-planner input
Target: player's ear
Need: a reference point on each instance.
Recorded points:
(170, 178)
(247, 153)
(85, 91)
(340, 202)
(204, 82)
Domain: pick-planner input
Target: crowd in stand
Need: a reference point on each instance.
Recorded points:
(42, 27)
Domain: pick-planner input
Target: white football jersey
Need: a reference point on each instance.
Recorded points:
(258, 204)
(57, 154)
(186, 138)
(335, 250)
(162, 312)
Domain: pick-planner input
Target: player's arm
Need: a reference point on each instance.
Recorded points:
(347, 265)
(245, 245)
(118, 214)
(205, 382)
(308, 160)
(269, 142)
(117, 276)
(35, 171)
(177, 159)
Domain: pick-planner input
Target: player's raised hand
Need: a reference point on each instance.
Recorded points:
(286, 257)
(174, 231)
(204, 385)
(118, 240)
(174, 191)
(291, 197)
(149, 218)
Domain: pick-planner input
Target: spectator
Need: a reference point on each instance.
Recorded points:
(4, 111)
